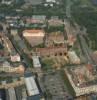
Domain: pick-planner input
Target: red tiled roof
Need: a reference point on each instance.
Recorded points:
(33, 31)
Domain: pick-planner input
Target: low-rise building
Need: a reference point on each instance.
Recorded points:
(14, 32)
(31, 85)
(55, 22)
(34, 37)
(7, 67)
(52, 2)
(73, 57)
(15, 58)
(51, 51)
(36, 19)
(36, 62)
(7, 2)
(55, 38)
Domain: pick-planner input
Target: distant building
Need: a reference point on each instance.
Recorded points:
(55, 22)
(36, 19)
(34, 37)
(52, 2)
(19, 1)
(34, 2)
(7, 2)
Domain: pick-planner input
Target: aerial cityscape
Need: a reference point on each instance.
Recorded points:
(48, 49)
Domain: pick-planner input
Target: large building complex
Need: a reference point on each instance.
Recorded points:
(34, 37)
(51, 51)
(82, 79)
(33, 89)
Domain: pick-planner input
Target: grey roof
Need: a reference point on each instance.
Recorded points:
(36, 97)
(1, 46)
(28, 74)
(34, 2)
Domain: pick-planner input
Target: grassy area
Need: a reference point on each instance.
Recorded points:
(47, 63)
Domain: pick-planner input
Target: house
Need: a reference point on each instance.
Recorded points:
(34, 36)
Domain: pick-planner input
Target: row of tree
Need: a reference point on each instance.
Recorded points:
(87, 17)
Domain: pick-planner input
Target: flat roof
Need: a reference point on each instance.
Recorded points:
(31, 86)
(28, 74)
(36, 62)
